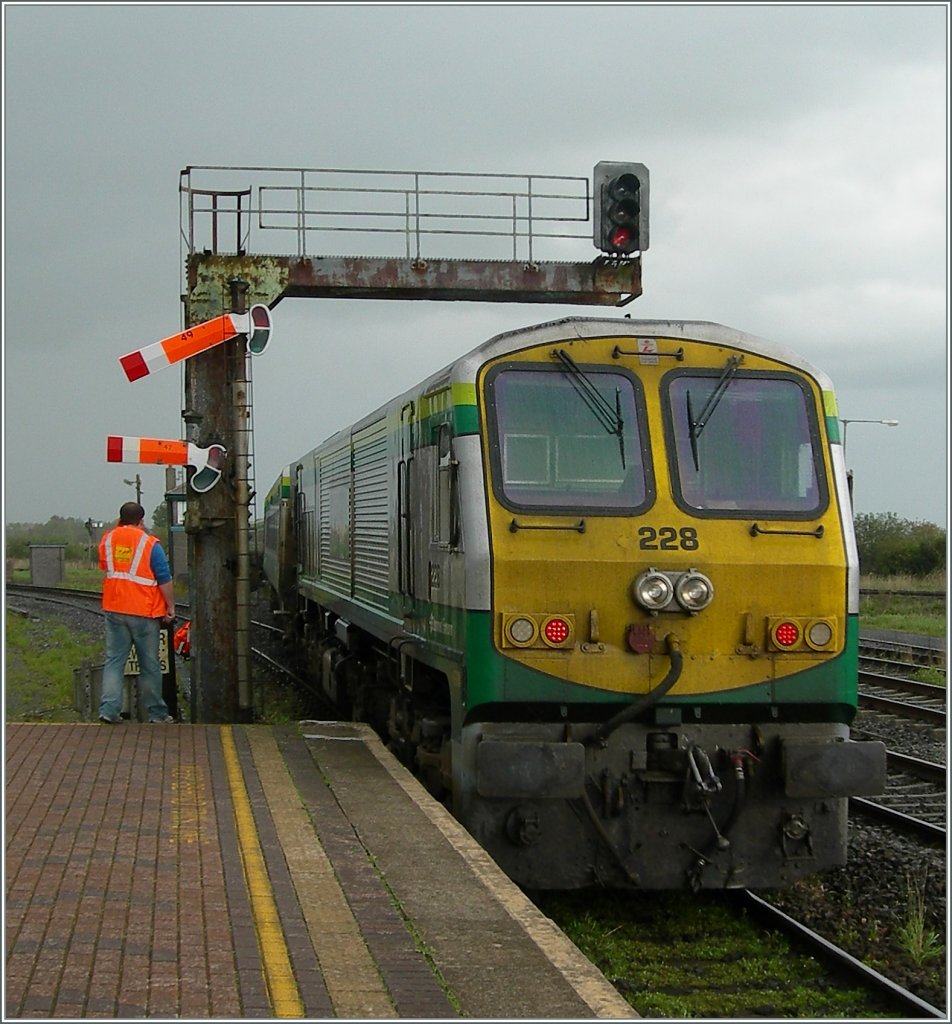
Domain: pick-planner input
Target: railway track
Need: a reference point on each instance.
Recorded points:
(927, 658)
(274, 665)
(904, 654)
(732, 955)
(905, 1004)
(908, 698)
(916, 798)
(88, 600)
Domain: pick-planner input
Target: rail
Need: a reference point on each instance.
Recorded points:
(240, 210)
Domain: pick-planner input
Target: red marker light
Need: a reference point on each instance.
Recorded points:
(556, 631)
(786, 634)
(620, 214)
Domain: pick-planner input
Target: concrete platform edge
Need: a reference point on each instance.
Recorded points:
(584, 977)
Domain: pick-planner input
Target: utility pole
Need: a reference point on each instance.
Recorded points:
(137, 483)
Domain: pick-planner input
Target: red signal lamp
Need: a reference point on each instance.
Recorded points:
(786, 634)
(556, 631)
(538, 630)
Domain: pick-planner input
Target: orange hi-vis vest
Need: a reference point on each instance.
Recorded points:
(130, 586)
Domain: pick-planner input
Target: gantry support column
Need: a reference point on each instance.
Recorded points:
(217, 523)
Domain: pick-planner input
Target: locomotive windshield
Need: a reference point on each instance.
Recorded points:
(745, 442)
(567, 439)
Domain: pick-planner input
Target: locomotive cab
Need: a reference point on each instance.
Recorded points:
(671, 615)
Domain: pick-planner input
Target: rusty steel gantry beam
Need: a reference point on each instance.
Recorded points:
(603, 282)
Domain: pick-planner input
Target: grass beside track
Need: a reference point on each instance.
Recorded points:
(905, 604)
(38, 669)
(682, 956)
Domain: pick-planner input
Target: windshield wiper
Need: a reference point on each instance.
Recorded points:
(608, 417)
(696, 426)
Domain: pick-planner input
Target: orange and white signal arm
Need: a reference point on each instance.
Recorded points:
(208, 462)
(147, 449)
(256, 323)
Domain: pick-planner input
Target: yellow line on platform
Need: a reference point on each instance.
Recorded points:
(279, 975)
(353, 980)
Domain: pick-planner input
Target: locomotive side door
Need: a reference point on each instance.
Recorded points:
(444, 524)
(407, 511)
(304, 524)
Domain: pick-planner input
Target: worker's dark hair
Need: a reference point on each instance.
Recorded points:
(131, 513)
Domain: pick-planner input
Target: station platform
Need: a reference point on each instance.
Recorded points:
(202, 871)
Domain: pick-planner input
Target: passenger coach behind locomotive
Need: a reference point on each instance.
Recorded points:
(597, 581)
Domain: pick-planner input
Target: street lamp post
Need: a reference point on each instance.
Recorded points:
(137, 483)
(846, 423)
(888, 423)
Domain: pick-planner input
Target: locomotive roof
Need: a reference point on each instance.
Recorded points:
(466, 367)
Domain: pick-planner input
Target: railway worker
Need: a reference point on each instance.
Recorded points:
(137, 599)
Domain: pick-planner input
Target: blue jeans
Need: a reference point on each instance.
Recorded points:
(122, 631)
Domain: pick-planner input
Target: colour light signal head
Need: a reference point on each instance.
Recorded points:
(621, 208)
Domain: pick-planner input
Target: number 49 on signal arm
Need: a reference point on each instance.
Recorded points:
(256, 323)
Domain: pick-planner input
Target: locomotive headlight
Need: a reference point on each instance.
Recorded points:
(653, 590)
(694, 591)
(521, 630)
(819, 635)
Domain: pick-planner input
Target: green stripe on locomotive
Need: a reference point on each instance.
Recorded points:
(829, 688)
(454, 404)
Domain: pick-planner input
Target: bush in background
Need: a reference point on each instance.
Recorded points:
(81, 536)
(890, 546)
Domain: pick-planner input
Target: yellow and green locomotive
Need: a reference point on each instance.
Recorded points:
(596, 583)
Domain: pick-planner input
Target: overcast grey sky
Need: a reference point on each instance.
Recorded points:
(799, 174)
